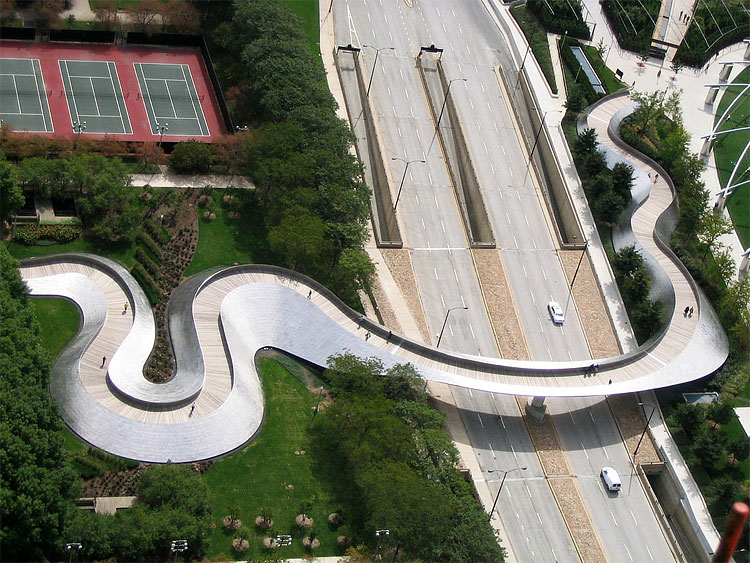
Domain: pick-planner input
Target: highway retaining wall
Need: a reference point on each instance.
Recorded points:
(384, 223)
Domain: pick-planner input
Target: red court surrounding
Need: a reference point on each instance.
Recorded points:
(124, 58)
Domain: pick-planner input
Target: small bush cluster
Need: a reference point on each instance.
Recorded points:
(32, 234)
(191, 157)
(561, 16)
(152, 246)
(150, 266)
(155, 230)
(146, 280)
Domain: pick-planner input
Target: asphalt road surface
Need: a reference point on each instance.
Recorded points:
(432, 229)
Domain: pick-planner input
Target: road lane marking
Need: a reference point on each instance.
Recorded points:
(442, 300)
(539, 518)
(533, 299)
(442, 225)
(591, 415)
(416, 197)
(485, 147)
(436, 276)
(626, 549)
(605, 451)
(502, 421)
(584, 451)
(423, 225)
(573, 420)
(436, 201)
(471, 329)
(492, 167)
(528, 491)
(633, 515)
(480, 420)
(482, 85)
(649, 552)
(524, 271)
(613, 518)
(493, 451)
(526, 219)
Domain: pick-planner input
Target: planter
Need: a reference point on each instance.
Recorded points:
(335, 519)
(303, 521)
(343, 541)
(263, 524)
(311, 544)
(238, 544)
(231, 524)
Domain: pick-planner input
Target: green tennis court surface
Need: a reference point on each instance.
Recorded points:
(171, 99)
(93, 91)
(23, 99)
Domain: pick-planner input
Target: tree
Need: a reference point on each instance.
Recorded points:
(709, 449)
(724, 491)
(652, 105)
(403, 383)
(711, 228)
(47, 12)
(691, 418)
(180, 16)
(586, 142)
(739, 446)
(11, 195)
(622, 180)
(299, 238)
(721, 412)
(144, 13)
(36, 484)
(191, 157)
(150, 154)
(106, 13)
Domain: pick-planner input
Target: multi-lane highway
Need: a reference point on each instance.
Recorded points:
(433, 232)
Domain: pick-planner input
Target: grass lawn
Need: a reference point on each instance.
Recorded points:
(259, 475)
(59, 321)
(219, 240)
(536, 35)
(610, 82)
(727, 150)
(307, 10)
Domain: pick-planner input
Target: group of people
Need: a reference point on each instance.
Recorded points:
(687, 312)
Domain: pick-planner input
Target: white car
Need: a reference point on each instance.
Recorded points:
(611, 479)
(556, 312)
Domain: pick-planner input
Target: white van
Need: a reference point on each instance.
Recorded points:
(611, 479)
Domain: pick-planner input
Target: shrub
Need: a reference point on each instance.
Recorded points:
(31, 234)
(151, 266)
(191, 157)
(155, 230)
(150, 244)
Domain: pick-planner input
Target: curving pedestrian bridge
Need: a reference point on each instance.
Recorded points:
(219, 320)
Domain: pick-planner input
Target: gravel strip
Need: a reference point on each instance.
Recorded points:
(631, 421)
(398, 261)
(498, 301)
(384, 306)
(577, 519)
(590, 306)
(546, 443)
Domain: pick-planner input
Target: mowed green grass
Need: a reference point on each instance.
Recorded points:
(307, 10)
(260, 474)
(224, 241)
(728, 148)
(59, 320)
(123, 253)
(536, 35)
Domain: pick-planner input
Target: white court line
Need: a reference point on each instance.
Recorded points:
(200, 126)
(72, 94)
(39, 95)
(93, 95)
(171, 103)
(15, 89)
(139, 66)
(114, 91)
(16, 73)
(22, 113)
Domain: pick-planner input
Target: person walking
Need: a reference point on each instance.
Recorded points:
(690, 313)
(104, 360)
(309, 295)
(192, 408)
(686, 311)
(125, 308)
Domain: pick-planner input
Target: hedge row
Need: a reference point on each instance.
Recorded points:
(587, 90)
(152, 246)
(560, 16)
(155, 230)
(148, 283)
(150, 266)
(31, 234)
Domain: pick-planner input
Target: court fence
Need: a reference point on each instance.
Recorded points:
(82, 36)
(18, 33)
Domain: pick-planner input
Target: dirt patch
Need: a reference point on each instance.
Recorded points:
(498, 301)
(631, 421)
(577, 519)
(398, 261)
(590, 305)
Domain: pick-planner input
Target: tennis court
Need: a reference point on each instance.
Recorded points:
(95, 97)
(170, 99)
(23, 96)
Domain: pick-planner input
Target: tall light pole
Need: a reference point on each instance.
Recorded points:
(162, 129)
(78, 128)
(445, 100)
(408, 162)
(497, 496)
(575, 274)
(536, 139)
(445, 322)
(380, 534)
(648, 422)
(73, 547)
(377, 54)
(177, 547)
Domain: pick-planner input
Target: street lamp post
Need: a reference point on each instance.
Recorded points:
(78, 128)
(377, 54)
(536, 139)
(177, 547)
(575, 274)
(497, 496)
(408, 162)
(317, 405)
(379, 534)
(162, 129)
(648, 422)
(445, 100)
(445, 322)
(71, 547)
(283, 540)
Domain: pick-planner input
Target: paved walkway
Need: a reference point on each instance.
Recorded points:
(168, 179)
